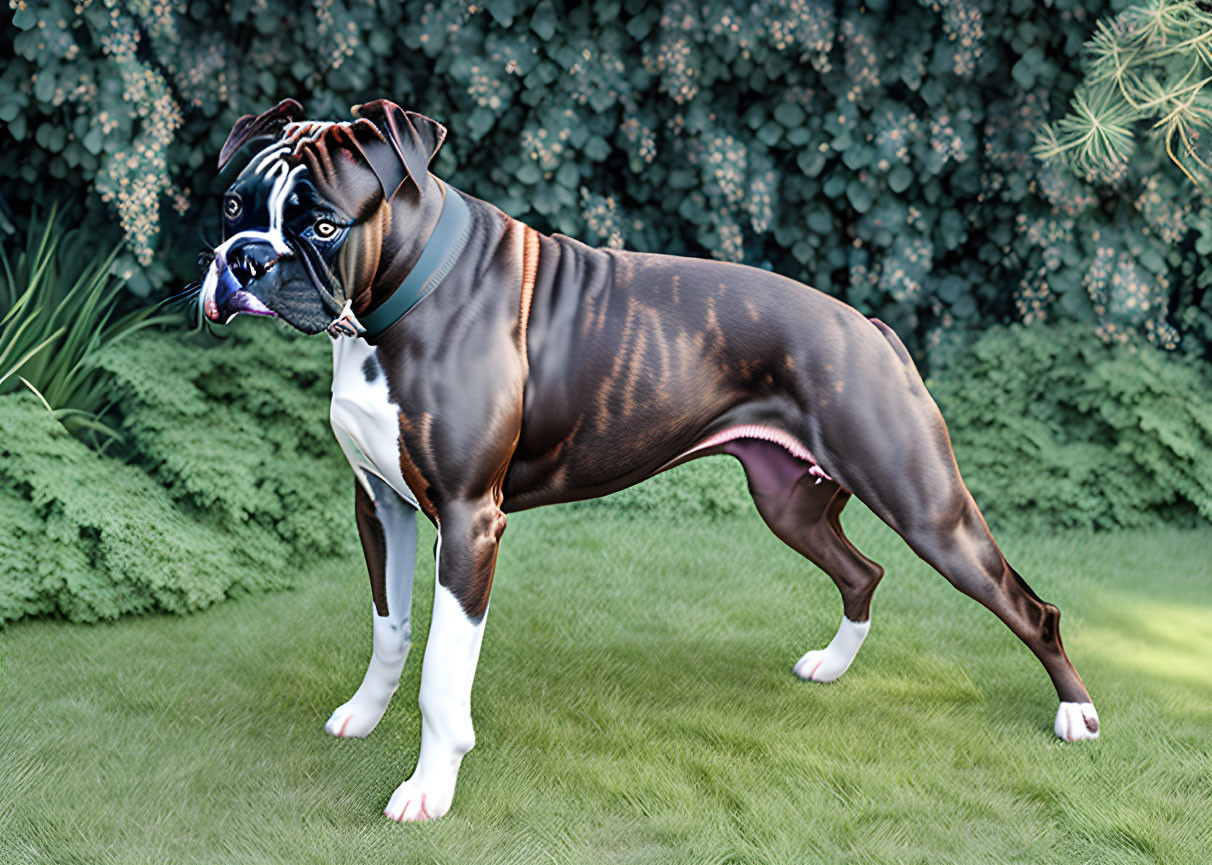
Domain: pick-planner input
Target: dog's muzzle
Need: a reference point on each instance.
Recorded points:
(225, 291)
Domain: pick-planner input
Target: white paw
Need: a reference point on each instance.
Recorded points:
(828, 664)
(356, 719)
(822, 665)
(1076, 721)
(413, 803)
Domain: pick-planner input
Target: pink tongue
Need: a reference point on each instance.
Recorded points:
(246, 302)
(232, 298)
(233, 304)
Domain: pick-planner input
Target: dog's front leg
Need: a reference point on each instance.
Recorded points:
(468, 535)
(387, 525)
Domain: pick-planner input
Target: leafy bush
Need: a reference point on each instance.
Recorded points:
(56, 314)
(241, 430)
(879, 151)
(233, 482)
(91, 538)
(1053, 428)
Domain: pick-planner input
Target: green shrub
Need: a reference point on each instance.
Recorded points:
(91, 538)
(240, 430)
(880, 151)
(1053, 428)
(232, 481)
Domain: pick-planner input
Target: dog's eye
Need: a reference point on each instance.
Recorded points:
(232, 206)
(324, 229)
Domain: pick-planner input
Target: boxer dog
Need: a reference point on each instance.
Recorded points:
(480, 367)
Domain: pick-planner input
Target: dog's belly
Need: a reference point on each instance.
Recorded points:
(363, 418)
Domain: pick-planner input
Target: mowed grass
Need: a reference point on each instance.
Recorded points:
(635, 703)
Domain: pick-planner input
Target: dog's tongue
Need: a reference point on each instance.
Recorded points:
(231, 299)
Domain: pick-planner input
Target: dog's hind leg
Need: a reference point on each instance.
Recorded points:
(887, 443)
(388, 527)
(856, 577)
(898, 461)
(956, 541)
(804, 511)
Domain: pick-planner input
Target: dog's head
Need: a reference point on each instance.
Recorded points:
(325, 212)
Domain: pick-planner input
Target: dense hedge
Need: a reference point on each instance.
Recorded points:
(231, 482)
(92, 538)
(1055, 429)
(879, 151)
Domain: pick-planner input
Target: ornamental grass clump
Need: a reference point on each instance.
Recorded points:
(58, 311)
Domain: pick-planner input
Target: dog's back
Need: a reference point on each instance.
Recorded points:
(640, 353)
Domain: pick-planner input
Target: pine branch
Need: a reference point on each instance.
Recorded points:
(1151, 63)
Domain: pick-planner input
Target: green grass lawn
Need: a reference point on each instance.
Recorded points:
(635, 703)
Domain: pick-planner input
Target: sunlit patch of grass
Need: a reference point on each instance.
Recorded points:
(1161, 640)
(635, 703)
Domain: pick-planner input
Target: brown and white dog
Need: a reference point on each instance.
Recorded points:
(507, 369)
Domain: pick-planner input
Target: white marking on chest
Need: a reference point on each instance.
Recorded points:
(364, 420)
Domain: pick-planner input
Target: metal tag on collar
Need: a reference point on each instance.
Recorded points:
(346, 324)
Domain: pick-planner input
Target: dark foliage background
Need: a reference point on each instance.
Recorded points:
(879, 151)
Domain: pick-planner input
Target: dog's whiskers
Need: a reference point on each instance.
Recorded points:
(187, 294)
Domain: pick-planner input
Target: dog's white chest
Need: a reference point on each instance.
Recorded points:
(363, 418)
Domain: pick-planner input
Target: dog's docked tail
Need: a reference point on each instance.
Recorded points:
(894, 341)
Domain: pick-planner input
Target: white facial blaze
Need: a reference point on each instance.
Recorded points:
(282, 177)
(270, 163)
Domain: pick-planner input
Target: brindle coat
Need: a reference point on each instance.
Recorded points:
(543, 371)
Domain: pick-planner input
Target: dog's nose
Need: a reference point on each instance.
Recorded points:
(251, 260)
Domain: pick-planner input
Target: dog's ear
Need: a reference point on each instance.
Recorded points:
(414, 137)
(268, 124)
(380, 154)
(336, 160)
